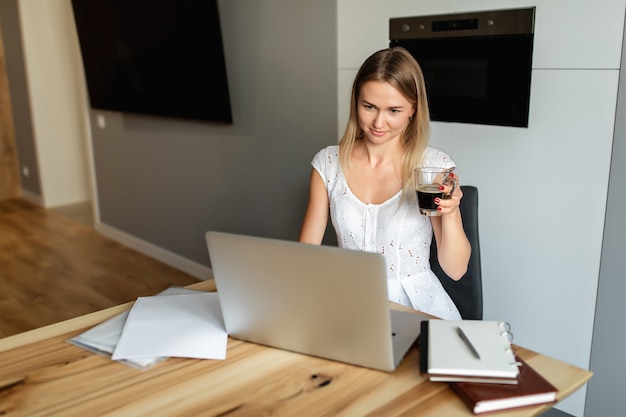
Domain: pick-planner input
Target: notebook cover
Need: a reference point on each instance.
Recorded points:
(448, 355)
(423, 346)
(532, 389)
(423, 362)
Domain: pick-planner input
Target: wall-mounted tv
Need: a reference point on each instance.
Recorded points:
(154, 57)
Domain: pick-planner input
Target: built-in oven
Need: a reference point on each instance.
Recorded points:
(477, 66)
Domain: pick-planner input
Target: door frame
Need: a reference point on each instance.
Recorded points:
(10, 185)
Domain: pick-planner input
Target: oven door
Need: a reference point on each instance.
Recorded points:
(477, 65)
(483, 80)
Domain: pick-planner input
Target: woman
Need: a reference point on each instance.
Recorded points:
(367, 182)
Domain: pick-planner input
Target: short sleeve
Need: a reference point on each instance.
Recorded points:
(326, 163)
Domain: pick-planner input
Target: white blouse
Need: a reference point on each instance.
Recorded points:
(394, 228)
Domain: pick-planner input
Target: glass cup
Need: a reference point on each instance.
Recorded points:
(427, 183)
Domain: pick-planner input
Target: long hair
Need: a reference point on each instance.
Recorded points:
(397, 67)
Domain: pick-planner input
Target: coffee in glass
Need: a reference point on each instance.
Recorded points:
(427, 183)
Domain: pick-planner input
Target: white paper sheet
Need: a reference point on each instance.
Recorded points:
(187, 325)
(103, 338)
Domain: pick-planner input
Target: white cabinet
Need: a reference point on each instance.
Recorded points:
(568, 34)
(578, 34)
(532, 254)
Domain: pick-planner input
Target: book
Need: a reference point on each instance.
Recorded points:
(467, 350)
(531, 389)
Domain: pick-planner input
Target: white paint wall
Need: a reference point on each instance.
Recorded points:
(540, 240)
(57, 100)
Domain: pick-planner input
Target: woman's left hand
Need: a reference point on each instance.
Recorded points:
(452, 195)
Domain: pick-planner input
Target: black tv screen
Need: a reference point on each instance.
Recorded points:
(154, 57)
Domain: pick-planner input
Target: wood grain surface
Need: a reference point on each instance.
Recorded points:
(43, 375)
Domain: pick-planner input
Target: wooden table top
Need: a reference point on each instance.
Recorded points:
(43, 375)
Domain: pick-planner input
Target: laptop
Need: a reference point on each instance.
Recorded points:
(318, 300)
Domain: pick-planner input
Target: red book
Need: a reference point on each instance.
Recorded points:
(531, 389)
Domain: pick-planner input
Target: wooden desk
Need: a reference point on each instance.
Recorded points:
(41, 374)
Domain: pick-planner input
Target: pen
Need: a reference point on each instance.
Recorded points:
(467, 342)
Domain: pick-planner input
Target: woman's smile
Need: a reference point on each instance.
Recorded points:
(383, 112)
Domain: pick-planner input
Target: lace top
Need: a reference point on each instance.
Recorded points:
(394, 228)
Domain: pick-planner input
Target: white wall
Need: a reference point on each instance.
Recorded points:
(540, 241)
(57, 100)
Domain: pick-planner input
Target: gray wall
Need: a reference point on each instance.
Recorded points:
(20, 102)
(606, 389)
(168, 181)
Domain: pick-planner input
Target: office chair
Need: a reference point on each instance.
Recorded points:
(467, 293)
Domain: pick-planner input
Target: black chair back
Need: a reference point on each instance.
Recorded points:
(467, 293)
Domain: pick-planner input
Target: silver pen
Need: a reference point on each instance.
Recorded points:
(467, 342)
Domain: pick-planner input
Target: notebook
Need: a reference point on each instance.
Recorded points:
(532, 389)
(480, 351)
(317, 300)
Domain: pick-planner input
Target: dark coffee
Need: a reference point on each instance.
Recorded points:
(426, 194)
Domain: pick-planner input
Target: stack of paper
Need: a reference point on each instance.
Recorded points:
(177, 322)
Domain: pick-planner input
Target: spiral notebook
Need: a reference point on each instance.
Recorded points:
(467, 350)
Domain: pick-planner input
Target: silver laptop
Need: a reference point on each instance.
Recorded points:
(317, 300)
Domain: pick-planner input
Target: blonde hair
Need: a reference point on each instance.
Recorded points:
(397, 67)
